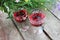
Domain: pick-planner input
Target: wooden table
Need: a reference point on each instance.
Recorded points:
(10, 29)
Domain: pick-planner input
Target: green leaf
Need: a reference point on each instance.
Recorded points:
(1, 8)
(6, 7)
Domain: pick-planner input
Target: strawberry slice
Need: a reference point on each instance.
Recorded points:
(16, 14)
(18, 19)
(20, 15)
(42, 15)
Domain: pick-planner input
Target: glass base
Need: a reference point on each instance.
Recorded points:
(37, 30)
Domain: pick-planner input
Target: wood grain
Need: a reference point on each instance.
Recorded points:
(7, 29)
(56, 12)
(52, 26)
(29, 35)
(55, 9)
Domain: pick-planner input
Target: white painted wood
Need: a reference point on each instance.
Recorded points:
(7, 29)
(52, 26)
(29, 35)
(56, 10)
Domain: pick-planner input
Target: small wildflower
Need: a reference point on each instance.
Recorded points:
(41, 3)
(17, 1)
(45, 8)
(26, 0)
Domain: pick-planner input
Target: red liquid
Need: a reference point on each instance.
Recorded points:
(20, 15)
(37, 19)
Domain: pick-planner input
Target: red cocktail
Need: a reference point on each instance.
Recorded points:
(20, 15)
(37, 18)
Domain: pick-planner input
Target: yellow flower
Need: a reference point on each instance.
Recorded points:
(26, 0)
(45, 8)
(42, 3)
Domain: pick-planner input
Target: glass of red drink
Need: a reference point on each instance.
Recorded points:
(37, 19)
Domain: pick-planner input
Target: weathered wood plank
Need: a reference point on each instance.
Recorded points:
(29, 35)
(56, 12)
(52, 26)
(55, 9)
(7, 29)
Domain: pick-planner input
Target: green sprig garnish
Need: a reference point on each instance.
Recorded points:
(9, 6)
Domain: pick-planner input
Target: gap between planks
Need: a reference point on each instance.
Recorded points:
(8, 28)
(24, 34)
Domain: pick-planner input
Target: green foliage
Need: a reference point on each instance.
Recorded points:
(10, 6)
